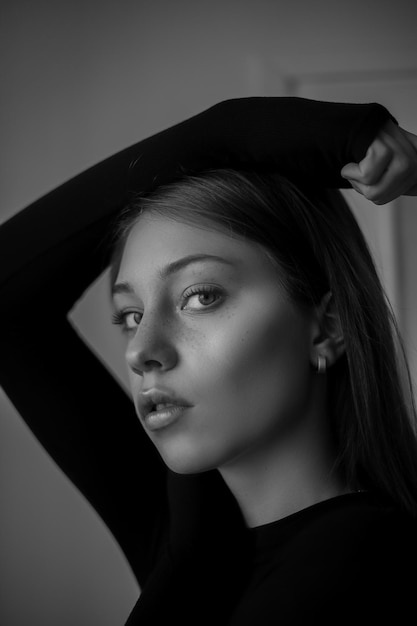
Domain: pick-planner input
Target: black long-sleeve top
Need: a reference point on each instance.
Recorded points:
(184, 536)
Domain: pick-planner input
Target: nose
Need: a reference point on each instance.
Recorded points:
(152, 347)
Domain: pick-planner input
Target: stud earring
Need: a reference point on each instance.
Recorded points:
(321, 364)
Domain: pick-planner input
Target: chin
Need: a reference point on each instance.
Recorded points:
(188, 459)
(186, 465)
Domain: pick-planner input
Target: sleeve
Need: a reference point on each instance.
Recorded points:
(54, 249)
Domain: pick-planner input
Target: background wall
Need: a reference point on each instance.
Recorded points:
(81, 80)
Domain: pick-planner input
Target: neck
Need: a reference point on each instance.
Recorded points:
(279, 479)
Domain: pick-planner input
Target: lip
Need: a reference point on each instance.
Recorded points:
(156, 420)
(157, 417)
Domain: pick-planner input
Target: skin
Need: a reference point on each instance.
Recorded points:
(242, 356)
(389, 168)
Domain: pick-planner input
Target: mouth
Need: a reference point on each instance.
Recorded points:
(159, 408)
(163, 416)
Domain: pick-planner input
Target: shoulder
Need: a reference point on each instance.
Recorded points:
(376, 555)
(342, 561)
(362, 528)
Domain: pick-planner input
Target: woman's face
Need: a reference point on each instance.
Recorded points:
(220, 333)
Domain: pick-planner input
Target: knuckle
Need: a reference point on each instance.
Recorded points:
(403, 164)
(385, 151)
(369, 178)
(406, 164)
(371, 193)
(382, 153)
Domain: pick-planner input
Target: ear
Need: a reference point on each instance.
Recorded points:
(327, 335)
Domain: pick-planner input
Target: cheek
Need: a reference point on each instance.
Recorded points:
(256, 362)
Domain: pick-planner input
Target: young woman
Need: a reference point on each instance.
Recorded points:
(266, 470)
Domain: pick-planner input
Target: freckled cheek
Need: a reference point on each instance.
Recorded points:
(248, 358)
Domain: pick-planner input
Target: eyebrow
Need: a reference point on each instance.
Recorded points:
(166, 271)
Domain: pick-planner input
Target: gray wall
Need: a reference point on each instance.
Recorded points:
(82, 79)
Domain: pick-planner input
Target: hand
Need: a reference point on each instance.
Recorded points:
(389, 168)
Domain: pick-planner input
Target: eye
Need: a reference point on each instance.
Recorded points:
(201, 297)
(129, 320)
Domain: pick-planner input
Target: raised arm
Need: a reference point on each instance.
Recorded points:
(67, 397)
(54, 249)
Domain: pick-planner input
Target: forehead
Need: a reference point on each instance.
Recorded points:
(155, 241)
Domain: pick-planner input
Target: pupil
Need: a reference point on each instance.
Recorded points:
(204, 297)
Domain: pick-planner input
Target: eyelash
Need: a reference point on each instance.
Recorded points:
(198, 290)
(119, 317)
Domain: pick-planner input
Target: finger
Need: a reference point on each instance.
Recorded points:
(400, 174)
(410, 137)
(381, 194)
(390, 143)
(369, 171)
(400, 177)
(369, 193)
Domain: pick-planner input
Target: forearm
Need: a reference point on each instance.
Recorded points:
(307, 141)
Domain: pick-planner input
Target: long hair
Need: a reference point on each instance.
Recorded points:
(316, 242)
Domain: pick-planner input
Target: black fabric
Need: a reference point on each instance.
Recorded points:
(348, 560)
(304, 140)
(183, 536)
